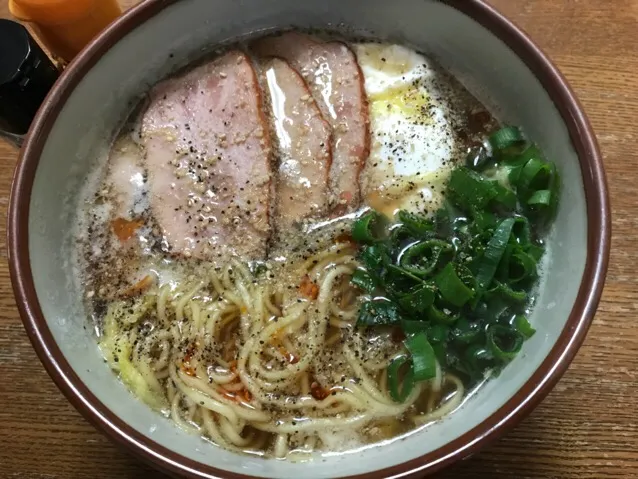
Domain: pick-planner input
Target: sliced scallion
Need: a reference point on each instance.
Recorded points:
(419, 299)
(494, 252)
(379, 313)
(411, 327)
(523, 326)
(419, 226)
(469, 189)
(466, 331)
(504, 342)
(540, 198)
(363, 280)
(506, 137)
(452, 289)
(423, 257)
(400, 390)
(423, 358)
(369, 228)
(503, 291)
(439, 316)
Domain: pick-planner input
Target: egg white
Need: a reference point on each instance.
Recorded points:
(412, 138)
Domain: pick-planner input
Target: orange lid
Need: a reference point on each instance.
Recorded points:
(50, 11)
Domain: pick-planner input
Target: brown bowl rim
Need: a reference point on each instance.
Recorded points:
(502, 420)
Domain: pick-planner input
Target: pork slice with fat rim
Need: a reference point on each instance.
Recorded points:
(208, 159)
(331, 71)
(304, 146)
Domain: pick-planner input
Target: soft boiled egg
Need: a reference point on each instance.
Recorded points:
(413, 143)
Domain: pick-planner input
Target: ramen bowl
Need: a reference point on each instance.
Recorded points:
(494, 60)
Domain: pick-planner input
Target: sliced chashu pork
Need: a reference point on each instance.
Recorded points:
(208, 160)
(304, 146)
(335, 79)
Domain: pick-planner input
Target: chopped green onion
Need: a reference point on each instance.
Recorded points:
(521, 266)
(530, 153)
(399, 235)
(375, 258)
(465, 331)
(379, 313)
(484, 220)
(363, 280)
(543, 203)
(505, 292)
(398, 392)
(554, 188)
(398, 280)
(466, 276)
(514, 174)
(470, 190)
(503, 270)
(504, 342)
(423, 257)
(411, 327)
(521, 231)
(370, 228)
(522, 326)
(423, 358)
(540, 197)
(446, 218)
(535, 175)
(438, 333)
(504, 196)
(506, 137)
(493, 309)
(452, 289)
(417, 225)
(442, 317)
(458, 285)
(477, 359)
(419, 299)
(494, 253)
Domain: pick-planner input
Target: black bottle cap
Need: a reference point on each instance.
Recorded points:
(26, 76)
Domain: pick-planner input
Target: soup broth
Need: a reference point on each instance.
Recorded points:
(219, 249)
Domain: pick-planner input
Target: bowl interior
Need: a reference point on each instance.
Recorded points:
(188, 28)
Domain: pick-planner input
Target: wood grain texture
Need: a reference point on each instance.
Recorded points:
(586, 428)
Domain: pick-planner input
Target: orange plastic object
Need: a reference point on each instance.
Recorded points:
(66, 26)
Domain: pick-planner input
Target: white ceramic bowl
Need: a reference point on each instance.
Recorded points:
(501, 66)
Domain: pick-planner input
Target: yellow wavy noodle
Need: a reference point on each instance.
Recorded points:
(256, 366)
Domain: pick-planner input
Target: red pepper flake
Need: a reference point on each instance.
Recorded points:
(290, 357)
(139, 287)
(186, 362)
(232, 395)
(241, 396)
(308, 288)
(233, 366)
(246, 396)
(125, 229)
(318, 392)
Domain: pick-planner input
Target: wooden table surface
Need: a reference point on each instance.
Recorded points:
(586, 428)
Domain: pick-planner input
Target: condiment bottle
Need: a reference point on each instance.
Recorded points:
(26, 76)
(66, 26)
